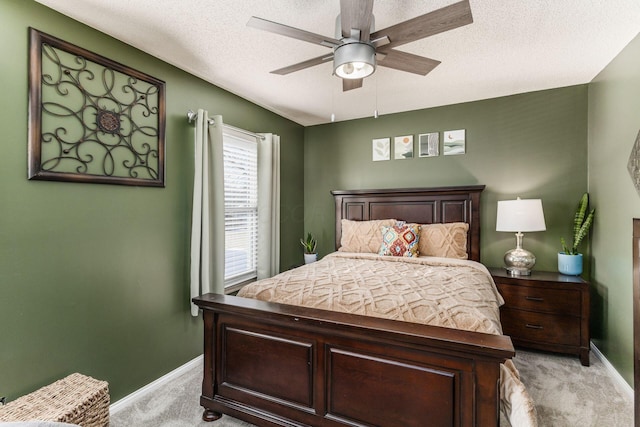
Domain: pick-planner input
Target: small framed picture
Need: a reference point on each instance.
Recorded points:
(403, 147)
(381, 149)
(429, 144)
(454, 142)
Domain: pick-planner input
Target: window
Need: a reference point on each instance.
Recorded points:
(241, 207)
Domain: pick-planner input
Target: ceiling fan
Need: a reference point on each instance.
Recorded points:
(358, 48)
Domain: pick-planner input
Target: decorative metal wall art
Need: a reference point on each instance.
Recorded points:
(92, 119)
(633, 165)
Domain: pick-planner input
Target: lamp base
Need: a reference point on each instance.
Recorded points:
(517, 271)
(519, 262)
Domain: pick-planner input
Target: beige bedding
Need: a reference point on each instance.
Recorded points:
(444, 292)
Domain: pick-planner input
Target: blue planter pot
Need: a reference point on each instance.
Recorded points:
(570, 264)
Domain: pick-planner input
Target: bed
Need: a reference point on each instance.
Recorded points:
(280, 364)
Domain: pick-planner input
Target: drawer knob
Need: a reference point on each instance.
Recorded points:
(534, 299)
(533, 326)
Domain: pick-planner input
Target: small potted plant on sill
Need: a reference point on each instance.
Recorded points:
(570, 260)
(309, 245)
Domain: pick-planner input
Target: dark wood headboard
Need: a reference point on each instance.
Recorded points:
(419, 205)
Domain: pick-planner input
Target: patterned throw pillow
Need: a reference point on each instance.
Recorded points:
(444, 240)
(400, 240)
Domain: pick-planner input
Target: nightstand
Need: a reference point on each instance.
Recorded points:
(545, 311)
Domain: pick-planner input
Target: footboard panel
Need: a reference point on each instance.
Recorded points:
(401, 392)
(274, 364)
(267, 366)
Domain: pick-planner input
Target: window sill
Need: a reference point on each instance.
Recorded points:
(232, 289)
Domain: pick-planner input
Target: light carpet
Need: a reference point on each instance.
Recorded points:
(566, 393)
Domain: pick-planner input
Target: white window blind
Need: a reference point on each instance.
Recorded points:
(241, 208)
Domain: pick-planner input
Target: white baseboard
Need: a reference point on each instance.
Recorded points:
(620, 382)
(141, 392)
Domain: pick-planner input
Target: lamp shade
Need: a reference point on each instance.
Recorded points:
(520, 215)
(354, 60)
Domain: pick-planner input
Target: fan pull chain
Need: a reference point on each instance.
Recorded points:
(375, 112)
(333, 93)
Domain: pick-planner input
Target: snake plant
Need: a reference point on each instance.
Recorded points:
(581, 224)
(309, 244)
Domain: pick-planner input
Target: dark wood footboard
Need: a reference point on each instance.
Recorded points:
(280, 365)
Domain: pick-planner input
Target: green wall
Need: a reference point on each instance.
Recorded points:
(614, 123)
(94, 278)
(532, 145)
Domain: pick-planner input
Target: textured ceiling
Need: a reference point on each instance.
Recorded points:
(513, 46)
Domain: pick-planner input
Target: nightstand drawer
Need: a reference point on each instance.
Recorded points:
(540, 327)
(548, 300)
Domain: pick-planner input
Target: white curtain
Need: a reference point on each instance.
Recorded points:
(207, 224)
(268, 205)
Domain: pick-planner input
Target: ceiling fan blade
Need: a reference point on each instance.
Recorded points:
(295, 33)
(349, 84)
(302, 65)
(356, 14)
(408, 62)
(438, 21)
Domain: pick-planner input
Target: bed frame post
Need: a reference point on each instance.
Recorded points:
(487, 394)
(209, 380)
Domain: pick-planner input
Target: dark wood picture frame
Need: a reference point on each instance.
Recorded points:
(92, 119)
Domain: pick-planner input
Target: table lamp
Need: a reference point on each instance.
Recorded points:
(520, 215)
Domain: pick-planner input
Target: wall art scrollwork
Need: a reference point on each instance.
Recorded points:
(92, 119)
(633, 165)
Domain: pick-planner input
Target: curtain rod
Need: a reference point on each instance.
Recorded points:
(192, 116)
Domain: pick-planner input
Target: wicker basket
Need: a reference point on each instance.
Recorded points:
(76, 399)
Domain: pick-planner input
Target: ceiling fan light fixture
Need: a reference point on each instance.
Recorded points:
(354, 60)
